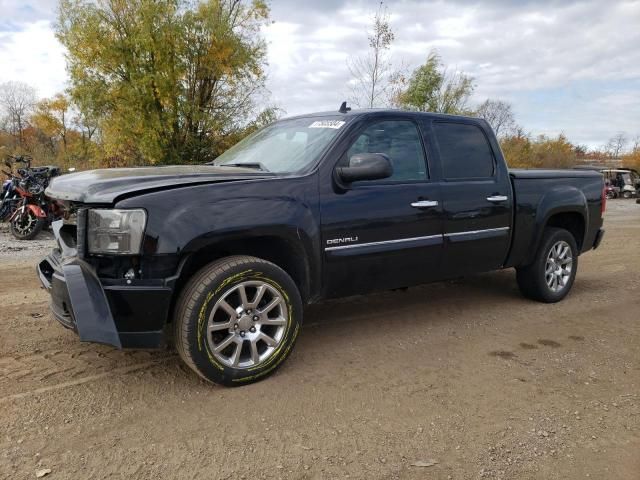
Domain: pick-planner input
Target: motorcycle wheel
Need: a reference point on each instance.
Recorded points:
(27, 226)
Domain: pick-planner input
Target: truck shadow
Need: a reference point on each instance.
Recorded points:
(451, 296)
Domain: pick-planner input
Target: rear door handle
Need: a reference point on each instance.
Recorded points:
(498, 198)
(425, 204)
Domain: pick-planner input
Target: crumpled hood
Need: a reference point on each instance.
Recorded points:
(104, 186)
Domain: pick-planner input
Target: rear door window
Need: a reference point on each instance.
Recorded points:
(464, 151)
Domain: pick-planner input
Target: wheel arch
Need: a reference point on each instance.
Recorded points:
(561, 207)
(287, 253)
(572, 221)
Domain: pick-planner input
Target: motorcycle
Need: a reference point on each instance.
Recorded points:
(34, 211)
(9, 197)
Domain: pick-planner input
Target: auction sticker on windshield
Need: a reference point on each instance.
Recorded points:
(327, 124)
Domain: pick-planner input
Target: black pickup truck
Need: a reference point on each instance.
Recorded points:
(325, 205)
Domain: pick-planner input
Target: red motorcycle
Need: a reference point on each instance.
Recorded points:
(34, 211)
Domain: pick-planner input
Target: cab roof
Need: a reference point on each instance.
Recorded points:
(374, 112)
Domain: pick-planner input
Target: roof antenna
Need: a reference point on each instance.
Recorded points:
(344, 108)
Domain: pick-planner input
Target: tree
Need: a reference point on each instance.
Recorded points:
(632, 160)
(166, 80)
(51, 117)
(499, 115)
(431, 88)
(372, 75)
(17, 100)
(616, 144)
(520, 151)
(581, 151)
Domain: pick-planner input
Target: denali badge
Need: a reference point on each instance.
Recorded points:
(338, 241)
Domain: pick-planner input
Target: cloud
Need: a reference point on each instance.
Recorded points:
(26, 11)
(32, 54)
(567, 66)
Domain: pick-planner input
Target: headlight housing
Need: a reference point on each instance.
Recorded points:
(116, 231)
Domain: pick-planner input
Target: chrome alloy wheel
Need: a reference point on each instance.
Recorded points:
(559, 266)
(247, 324)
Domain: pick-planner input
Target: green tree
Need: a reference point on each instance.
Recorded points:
(166, 80)
(431, 88)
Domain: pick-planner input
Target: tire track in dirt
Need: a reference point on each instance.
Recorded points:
(89, 378)
(55, 368)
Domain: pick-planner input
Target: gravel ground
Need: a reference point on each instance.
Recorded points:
(13, 249)
(457, 380)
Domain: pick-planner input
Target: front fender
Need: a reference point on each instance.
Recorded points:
(37, 211)
(186, 220)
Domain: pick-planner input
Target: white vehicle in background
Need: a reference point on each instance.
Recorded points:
(626, 180)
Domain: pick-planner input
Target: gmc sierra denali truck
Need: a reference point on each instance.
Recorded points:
(226, 255)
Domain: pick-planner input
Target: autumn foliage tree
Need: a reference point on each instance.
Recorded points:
(632, 159)
(168, 81)
(521, 151)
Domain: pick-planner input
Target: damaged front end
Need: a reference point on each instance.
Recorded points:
(103, 298)
(77, 299)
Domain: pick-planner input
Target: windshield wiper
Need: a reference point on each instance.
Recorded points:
(254, 165)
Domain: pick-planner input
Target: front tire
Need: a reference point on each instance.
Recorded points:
(551, 275)
(237, 320)
(27, 226)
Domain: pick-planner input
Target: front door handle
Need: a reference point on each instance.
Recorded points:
(425, 204)
(498, 198)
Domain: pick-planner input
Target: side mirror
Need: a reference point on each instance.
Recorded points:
(366, 166)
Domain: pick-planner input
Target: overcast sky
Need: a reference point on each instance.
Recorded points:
(571, 67)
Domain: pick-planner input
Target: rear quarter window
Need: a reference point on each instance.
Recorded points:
(464, 151)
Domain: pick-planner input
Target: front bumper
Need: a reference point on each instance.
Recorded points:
(108, 311)
(77, 299)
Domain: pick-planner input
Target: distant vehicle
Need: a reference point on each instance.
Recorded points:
(623, 179)
(308, 208)
(611, 191)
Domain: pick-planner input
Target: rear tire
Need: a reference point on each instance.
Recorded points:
(551, 275)
(27, 227)
(237, 320)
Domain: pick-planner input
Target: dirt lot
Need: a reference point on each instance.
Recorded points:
(465, 378)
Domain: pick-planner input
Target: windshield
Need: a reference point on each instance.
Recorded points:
(284, 147)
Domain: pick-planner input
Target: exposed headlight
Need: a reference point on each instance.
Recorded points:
(116, 231)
